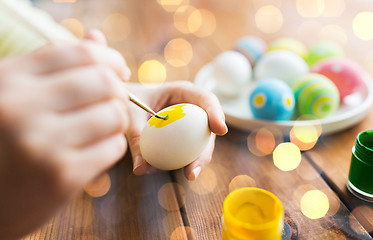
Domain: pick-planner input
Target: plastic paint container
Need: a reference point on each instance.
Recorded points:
(252, 213)
(360, 178)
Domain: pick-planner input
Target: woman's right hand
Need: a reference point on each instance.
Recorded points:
(63, 112)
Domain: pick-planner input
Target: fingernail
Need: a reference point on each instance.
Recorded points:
(137, 162)
(222, 118)
(222, 121)
(195, 173)
(225, 128)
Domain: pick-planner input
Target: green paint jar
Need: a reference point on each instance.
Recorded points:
(360, 178)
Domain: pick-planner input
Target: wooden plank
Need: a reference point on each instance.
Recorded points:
(135, 207)
(231, 158)
(332, 157)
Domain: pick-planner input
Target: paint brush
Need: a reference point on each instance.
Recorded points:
(40, 27)
(135, 100)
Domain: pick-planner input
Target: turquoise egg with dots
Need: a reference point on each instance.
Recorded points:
(272, 99)
(316, 96)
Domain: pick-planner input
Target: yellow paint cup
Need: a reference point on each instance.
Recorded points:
(251, 214)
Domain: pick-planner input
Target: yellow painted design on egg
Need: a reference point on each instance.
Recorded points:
(259, 100)
(288, 101)
(173, 114)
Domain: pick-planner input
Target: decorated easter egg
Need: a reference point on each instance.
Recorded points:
(323, 50)
(281, 64)
(316, 96)
(252, 47)
(346, 74)
(272, 99)
(291, 44)
(177, 141)
(231, 72)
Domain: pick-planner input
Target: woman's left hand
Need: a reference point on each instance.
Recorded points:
(166, 95)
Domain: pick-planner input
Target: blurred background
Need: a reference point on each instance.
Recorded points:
(166, 40)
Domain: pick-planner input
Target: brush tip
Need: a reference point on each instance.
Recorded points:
(161, 117)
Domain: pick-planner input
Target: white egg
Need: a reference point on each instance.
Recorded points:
(231, 72)
(174, 143)
(281, 64)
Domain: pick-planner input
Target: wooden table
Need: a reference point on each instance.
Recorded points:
(165, 205)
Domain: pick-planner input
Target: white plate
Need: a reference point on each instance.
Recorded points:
(237, 111)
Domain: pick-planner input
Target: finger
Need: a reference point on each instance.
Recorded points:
(93, 123)
(78, 87)
(138, 121)
(98, 157)
(60, 57)
(192, 171)
(182, 92)
(96, 36)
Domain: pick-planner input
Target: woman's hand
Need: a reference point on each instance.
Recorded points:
(164, 96)
(63, 112)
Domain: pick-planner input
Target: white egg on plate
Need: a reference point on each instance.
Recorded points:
(282, 64)
(231, 72)
(177, 141)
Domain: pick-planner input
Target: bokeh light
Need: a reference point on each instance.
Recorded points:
(265, 141)
(334, 8)
(167, 196)
(307, 133)
(75, 26)
(310, 8)
(152, 72)
(183, 232)
(305, 136)
(269, 19)
(172, 5)
(364, 215)
(314, 204)
(178, 52)
(303, 146)
(262, 141)
(334, 33)
(202, 23)
(287, 156)
(362, 25)
(181, 19)
(99, 186)
(241, 181)
(116, 27)
(205, 183)
(194, 20)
